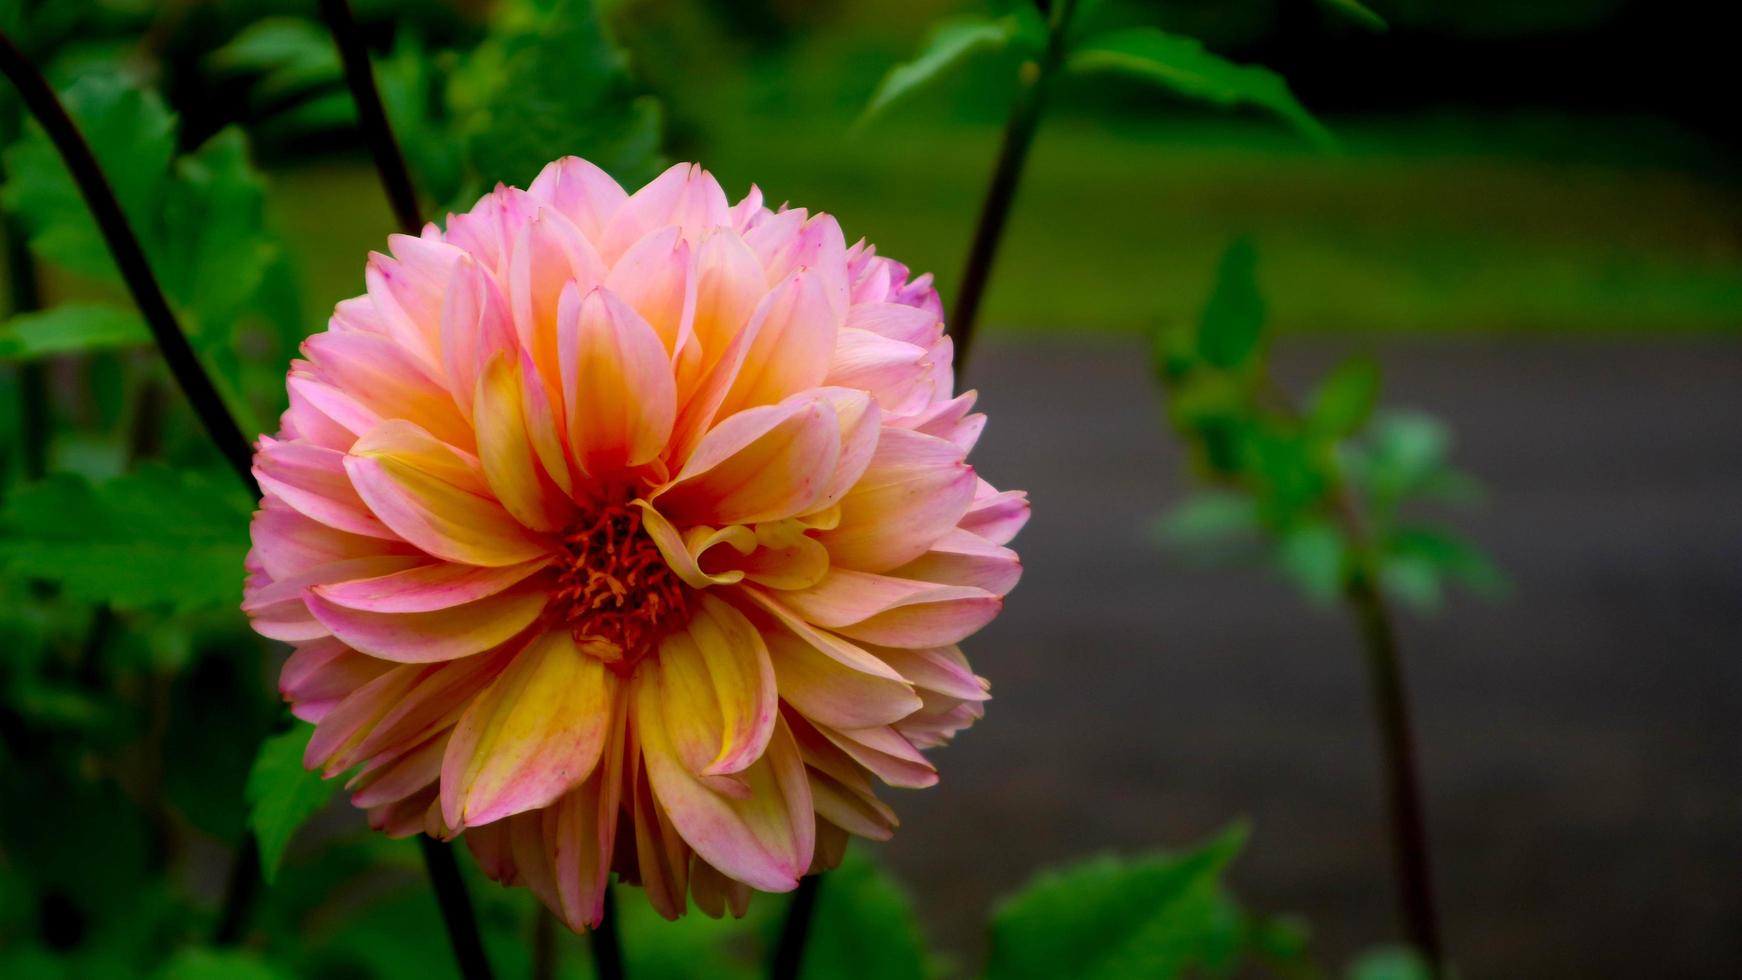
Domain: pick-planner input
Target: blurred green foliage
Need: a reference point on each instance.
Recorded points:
(1322, 493)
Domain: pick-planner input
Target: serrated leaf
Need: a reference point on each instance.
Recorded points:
(1109, 918)
(1233, 320)
(1390, 963)
(282, 795)
(70, 329)
(949, 43)
(219, 964)
(863, 927)
(1345, 400)
(132, 136)
(157, 537)
(1357, 12)
(1182, 66)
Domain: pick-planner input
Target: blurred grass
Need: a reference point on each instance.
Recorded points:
(1415, 226)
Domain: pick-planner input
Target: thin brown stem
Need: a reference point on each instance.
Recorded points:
(1412, 859)
(1411, 856)
(1025, 115)
(33, 407)
(371, 117)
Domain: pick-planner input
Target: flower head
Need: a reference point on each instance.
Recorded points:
(630, 533)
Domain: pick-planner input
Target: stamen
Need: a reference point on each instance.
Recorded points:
(615, 592)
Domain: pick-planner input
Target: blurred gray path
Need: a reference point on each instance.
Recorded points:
(1582, 740)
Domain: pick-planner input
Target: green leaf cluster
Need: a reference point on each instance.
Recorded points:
(1180, 66)
(155, 538)
(1321, 492)
(545, 80)
(199, 216)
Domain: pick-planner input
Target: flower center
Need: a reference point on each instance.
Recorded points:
(615, 591)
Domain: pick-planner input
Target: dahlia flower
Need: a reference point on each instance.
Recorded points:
(630, 533)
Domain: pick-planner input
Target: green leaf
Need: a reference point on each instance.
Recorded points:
(1152, 917)
(863, 927)
(216, 964)
(949, 44)
(133, 138)
(1448, 554)
(1357, 12)
(289, 54)
(1413, 582)
(551, 82)
(1312, 554)
(69, 329)
(157, 537)
(1210, 518)
(1404, 455)
(1345, 400)
(1390, 963)
(282, 795)
(1183, 67)
(215, 255)
(1233, 320)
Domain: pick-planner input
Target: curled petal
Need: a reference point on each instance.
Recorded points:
(506, 449)
(718, 690)
(683, 552)
(320, 673)
(762, 464)
(581, 829)
(828, 691)
(443, 519)
(384, 379)
(313, 482)
(612, 355)
(425, 588)
(914, 491)
(534, 734)
(765, 838)
(892, 611)
(888, 755)
(996, 516)
(425, 637)
(964, 558)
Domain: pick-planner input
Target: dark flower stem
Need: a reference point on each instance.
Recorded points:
(1412, 860)
(456, 906)
(438, 858)
(789, 954)
(226, 436)
(1031, 96)
(240, 889)
(33, 412)
(603, 941)
(371, 117)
